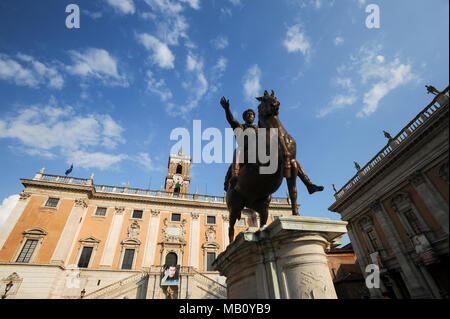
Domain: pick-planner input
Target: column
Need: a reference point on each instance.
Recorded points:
(194, 241)
(284, 260)
(361, 258)
(225, 226)
(113, 238)
(411, 275)
(151, 239)
(436, 205)
(13, 217)
(65, 240)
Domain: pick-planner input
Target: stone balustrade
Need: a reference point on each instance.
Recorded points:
(403, 136)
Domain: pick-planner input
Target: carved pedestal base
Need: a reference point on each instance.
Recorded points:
(285, 259)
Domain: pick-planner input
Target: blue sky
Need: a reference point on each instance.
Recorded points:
(106, 96)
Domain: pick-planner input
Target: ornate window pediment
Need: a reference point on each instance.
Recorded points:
(131, 242)
(34, 232)
(90, 240)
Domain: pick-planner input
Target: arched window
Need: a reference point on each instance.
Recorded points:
(179, 169)
(171, 259)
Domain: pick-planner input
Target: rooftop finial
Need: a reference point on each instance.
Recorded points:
(334, 187)
(431, 89)
(387, 135)
(180, 152)
(357, 166)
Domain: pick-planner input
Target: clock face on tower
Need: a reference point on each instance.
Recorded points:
(177, 179)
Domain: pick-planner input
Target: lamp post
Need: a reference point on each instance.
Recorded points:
(7, 288)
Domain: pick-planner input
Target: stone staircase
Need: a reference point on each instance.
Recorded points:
(134, 285)
(207, 288)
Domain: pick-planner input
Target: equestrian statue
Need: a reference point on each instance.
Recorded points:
(245, 186)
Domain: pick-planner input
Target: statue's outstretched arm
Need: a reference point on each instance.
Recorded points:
(226, 106)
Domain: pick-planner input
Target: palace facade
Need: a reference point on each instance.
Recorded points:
(70, 238)
(397, 208)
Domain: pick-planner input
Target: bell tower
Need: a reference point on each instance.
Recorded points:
(178, 179)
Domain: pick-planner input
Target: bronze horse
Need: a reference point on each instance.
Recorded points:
(253, 190)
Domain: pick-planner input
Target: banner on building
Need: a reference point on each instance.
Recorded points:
(170, 275)
(424, 250)
(376, 259)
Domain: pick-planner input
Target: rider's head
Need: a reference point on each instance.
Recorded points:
(248, 116)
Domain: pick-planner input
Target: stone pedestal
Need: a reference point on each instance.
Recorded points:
(285, 259)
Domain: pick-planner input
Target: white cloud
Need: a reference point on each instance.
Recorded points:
(145, 160)
(338, 40)
(158, 87)
(162, 56)
(226, 11)
(170, 23)
(338, 102)
(97, 63)
(378, 77)
(50, 130)
(296, 40)
(252, 86)
(221, 64)
(383, 77)
(165, 6)
(122, 6)
(195, 4)
(6, 207)
(99, 160)
(27, 71)
(220, 42)
(236, 2)
(195, 84)
(92, 15)
(398, 74)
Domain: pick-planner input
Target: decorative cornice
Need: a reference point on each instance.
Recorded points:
(417, 178)
(375, 205)
(155, 212)
(195, 216)
(119, 210)
(81, 202)
(24, 195)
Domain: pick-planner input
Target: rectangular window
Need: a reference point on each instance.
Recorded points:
(101, 211)
(211, 220)
(413, 222)
(137, 214)
(128, 259)
(27, 251)
(176, 217)
(373, 240)
(85, 257)
(52, 202)
(210, 257)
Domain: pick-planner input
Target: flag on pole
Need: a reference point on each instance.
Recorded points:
(177, 185)
(69, 170)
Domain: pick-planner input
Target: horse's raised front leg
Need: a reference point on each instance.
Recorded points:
(292, 187)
